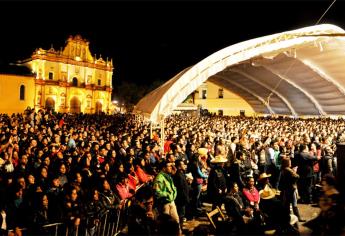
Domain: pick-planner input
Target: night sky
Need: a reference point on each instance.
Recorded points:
(153, 40)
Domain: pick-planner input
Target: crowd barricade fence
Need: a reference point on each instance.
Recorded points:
(111, 223)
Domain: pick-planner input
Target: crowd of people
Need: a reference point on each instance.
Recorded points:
(73, 168)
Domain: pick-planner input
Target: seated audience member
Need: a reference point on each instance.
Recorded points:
(124, 189)
(236, 209)
(251, 194)
(139, 166)
(263, 180)
(275, 216)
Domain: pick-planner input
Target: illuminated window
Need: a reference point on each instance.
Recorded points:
(22, 92)
(220, 93)
(204, 94)
(50, 75)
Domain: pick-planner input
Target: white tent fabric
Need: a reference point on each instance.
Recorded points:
(299, 72)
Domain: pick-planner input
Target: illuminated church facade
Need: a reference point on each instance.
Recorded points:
(67, 80)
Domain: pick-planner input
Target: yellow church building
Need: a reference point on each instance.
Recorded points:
(67, 80)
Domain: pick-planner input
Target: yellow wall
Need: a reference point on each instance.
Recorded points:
(231, 103)
(10, 91)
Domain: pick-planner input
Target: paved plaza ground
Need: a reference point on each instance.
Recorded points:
(307, 212)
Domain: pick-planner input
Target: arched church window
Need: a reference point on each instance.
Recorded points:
(75, 82)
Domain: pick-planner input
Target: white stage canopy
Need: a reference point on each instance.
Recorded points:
(298, 73)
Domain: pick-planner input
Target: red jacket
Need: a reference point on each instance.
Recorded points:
(143, 177)
(133, 181)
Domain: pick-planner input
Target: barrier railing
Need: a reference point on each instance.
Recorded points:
(110, 223)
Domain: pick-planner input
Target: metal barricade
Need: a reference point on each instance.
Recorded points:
(56, 225)
(111, 223)
(53, 229)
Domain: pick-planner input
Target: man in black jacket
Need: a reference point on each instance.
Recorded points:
(216, 186)
(182, 198)
(305, 170)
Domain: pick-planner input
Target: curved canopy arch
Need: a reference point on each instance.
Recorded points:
(297, 72)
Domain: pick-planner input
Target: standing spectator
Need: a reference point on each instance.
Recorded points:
(275, 163)
(73, 211)
(71, 142)
(326, 163)
(16, 210)
(55, 196)
(306, 173)
(237, 170)
(216, 184)
(198, 179)
(288, 187)
(94, 211)
(180, 181)
(41, 215)
(165, 191)
(62, 174)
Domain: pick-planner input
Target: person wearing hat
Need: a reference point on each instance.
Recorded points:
(275, 216)
(263, 180)
(216, 185)
(203, 152)
(189, 177)
(267, 193)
